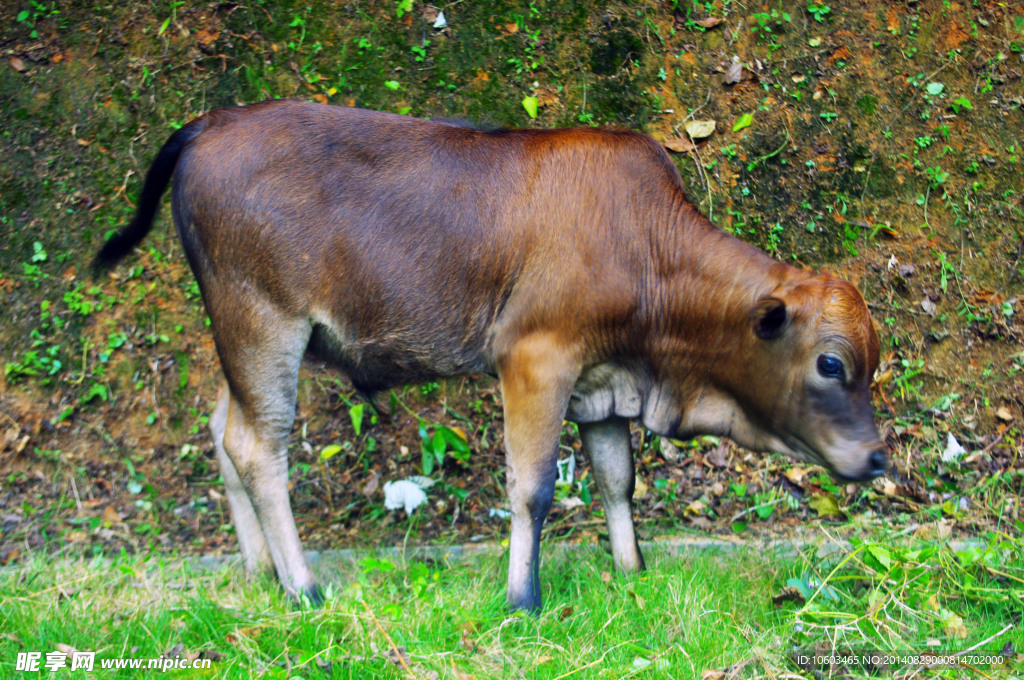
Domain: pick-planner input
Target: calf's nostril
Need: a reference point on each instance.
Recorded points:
(879, 462)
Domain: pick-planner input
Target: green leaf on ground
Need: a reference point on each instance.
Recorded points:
(744, 121)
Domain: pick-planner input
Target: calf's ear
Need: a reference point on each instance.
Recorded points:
(769, 318)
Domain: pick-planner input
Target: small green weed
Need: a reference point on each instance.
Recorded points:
(445, 441)
(766, 22)
(818, 10)
(903, 383)
(39, 11)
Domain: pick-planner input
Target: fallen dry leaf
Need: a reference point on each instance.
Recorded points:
(954, 625)
(710, 22)
(639, 488)
(371, 486)
(206, 37)
(398, 656)
(702, 523)
(887, 230)
(888, 488)
(480, 78)
(570, 503)
(10, 556)
(679, 145)
(796, 474)
(469, 632)
(694, 508)
(110, 515)
(717, 457)
(670, 452)
(734, 74)
(825, 504)
(17, 64)
(699, 129)
(639, 600)
(546, 96)
(934, 531)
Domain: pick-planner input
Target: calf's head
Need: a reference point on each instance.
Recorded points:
(803, 375)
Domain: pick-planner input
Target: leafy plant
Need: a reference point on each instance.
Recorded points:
(961, 103)
(766, 21)
(96, 389)
(35, 362)
(172, 17)
(420, 50)
(29, 17)
(775, 238)
(936, 176)
(903, 383)
(818, 10)
(444, 441)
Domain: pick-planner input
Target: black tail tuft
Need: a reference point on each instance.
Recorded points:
(157, 179)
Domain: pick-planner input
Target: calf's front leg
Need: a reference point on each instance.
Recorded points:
(607, 444)
(536, 379)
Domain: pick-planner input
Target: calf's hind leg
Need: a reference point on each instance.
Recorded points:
(251, 542)
(260, 351)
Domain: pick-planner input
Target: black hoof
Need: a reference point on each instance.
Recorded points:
(529, 603)
(309, 598)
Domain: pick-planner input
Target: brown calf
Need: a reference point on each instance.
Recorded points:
(567, 262)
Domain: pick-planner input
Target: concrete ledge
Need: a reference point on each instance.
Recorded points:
(329, 563)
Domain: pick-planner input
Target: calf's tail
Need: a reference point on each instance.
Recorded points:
(157, 179)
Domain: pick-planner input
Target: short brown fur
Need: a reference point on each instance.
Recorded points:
(569, 263)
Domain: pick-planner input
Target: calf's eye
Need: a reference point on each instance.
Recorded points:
(830, 366)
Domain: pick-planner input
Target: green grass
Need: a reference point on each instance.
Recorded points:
(685, 615)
